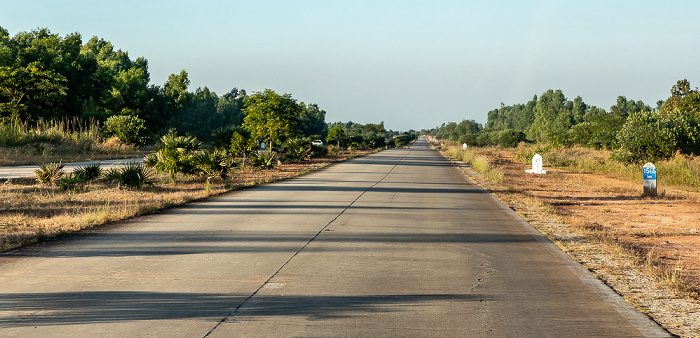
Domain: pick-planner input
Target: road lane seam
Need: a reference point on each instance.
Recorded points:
(223, 320)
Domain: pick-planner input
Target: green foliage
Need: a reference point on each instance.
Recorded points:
(132, 176)
(215, 163)
(89, 172)
(242, 146)
(312, 120)
(271, 117)
(683, 98)
(510, 138)
(297, 149)
(264, 159)
(72, 182)
(221, 137)
(49, 173)
(651, 136)
(402, 140)
(337, 135)
(129, 129)
(374, 142)
(175, 155)
(28, 87)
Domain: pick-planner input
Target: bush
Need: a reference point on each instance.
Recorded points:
(71, 182)
(89, 172)
(49, 173)
(215, 163)
(374, 142)
(175, 155)
(510, 138)
(132, 175)
(264, 160)
(650, 136)
(297, 149)
(221, 137)
(468, 139)
(129, 129)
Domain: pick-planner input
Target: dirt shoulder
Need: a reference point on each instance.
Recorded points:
(646, 249)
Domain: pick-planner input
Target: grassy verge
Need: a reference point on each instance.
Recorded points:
(483, 164)
(30, 212)
(681, 171)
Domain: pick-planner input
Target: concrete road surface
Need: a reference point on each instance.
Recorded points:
(394, 244)
(22, 171)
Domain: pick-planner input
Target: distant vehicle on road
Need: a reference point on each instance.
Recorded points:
(317, 142)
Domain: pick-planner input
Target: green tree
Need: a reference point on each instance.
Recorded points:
(271, 117)
(683, 98)
(312, 120)
(652, 136)
(336, 135)
(31, 83)
(242, 146)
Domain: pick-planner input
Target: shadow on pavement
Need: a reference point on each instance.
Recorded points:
(70, 308)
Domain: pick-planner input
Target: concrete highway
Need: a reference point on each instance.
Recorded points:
(397, 243)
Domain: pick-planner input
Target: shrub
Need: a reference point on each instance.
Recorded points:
(374, 142)
(71, 182)
(90, 172)
(221, 137)
(264, 160)
(49, 173)
(129, 129)
(650, 136)
(241, 145)
(175, 155)
(468, 139)
(510, 138)
(297, 149)
(215, 163)
(132, 175)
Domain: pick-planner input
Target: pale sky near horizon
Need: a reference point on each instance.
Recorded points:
(411, 64)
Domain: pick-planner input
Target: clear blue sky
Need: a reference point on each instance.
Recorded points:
(411, 64)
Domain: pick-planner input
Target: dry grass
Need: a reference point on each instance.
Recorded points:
(30, 212)
(482, 163)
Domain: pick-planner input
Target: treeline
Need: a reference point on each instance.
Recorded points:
(46, 77)
(357, 136)
(634, 130)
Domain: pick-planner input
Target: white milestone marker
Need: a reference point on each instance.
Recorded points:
(649, 175)
(537, 166)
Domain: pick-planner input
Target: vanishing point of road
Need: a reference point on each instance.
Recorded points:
(398, 243)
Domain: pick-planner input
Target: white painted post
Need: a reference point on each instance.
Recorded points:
(536, 166)
(649, 182)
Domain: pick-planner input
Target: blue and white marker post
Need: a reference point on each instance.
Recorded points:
(649, 174)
